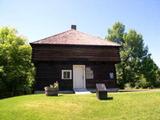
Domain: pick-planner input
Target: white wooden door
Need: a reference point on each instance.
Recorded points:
(79, 76)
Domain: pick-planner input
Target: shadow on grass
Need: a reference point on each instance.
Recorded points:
(106, 99)
(59, 95)
(109, 98)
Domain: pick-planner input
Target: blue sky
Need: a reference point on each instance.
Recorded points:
(36, 19)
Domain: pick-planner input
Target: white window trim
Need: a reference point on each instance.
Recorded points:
(70, 71)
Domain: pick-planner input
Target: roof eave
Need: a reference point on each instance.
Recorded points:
(41, 44)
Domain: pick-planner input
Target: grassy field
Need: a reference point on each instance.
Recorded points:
(123, 106)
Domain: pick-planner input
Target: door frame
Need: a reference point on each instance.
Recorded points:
(84, 80)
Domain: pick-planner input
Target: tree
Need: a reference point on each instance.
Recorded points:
(16, 69)
(134, 54)
(151, 72)
(116, 33)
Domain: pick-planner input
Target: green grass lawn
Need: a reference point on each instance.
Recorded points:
(123, 106)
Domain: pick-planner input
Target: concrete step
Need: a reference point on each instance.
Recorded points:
(81, 91)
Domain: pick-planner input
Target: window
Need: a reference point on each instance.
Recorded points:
(89, 73)
(111, 75)
(66, 74)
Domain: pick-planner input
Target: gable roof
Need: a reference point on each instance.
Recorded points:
(74, 37)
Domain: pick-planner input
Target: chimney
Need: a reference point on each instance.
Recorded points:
(73, 27)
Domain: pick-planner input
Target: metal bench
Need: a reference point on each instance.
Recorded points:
(101, 91)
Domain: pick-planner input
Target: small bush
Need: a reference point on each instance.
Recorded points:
(142, 82)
